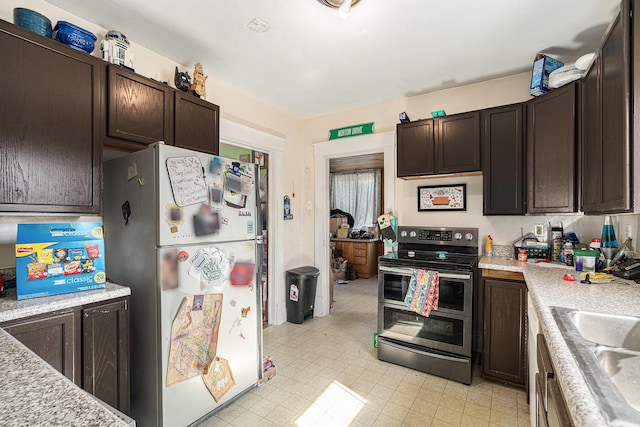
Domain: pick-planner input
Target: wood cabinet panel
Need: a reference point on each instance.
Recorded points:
(551, 151)
(415, 148)
(504, 338)
(55, 339)
(197, 124)
(606, 138)
(458, 143)
(105, 353)
(140, 110)
(49, 125)
(503, 160)
(363, 255)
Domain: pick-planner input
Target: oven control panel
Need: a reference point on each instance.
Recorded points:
(438, 235)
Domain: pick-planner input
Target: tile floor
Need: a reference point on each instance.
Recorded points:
(328, 375)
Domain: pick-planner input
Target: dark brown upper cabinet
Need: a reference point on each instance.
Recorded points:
(458, 143)
(503, 160)
(551, 151)
(449, 144)
(606, 131)
(197, 123)
(416, 147)
(50, 112)
(139, 112)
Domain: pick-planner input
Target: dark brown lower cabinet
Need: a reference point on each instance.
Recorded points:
(504, 336)
(105, 353)
(54, 338)
(550, 404)
(88, 344)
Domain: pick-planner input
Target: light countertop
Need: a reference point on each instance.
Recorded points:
(547, 289)
(35, 394)
(11, 309)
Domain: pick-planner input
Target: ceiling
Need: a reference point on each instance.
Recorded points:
(312, 62)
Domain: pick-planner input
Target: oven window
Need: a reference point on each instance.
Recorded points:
(451, 294)
(395, 286)
(435, 328)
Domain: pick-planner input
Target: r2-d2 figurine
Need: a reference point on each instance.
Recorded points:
(115, 49)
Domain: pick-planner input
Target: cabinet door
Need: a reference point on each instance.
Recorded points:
(551, 151)
(504, 354)
(416, 148)
(105, 353)
(55, 339)
(197, 124)
(503, 160)
(140, 110)
(50, 152)
(616, 148)
(458, 143)
(591, 150)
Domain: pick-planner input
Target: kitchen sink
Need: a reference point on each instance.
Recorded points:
(608, 330)
(607, 350)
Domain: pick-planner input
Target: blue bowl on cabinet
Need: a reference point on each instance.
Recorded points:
(74, 36)
(32, 21)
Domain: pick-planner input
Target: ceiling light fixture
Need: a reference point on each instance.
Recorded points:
(343, 6)
(258, 25)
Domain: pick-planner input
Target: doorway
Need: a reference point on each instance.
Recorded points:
(261, 160)
(323, 153)
(256, 144)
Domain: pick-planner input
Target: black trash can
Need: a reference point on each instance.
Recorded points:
(301, 289)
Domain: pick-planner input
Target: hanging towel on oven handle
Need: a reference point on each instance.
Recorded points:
(423, 292)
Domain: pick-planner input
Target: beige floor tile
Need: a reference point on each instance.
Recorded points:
(385, 421)
(280, 415)
(477, 411)
(423, 407)
(448, 415)
(263, 408)
(367, 416)
(469, 421)
(395, 411)
(402, 399)
(479, 399)
(416, 419)
(503, 419)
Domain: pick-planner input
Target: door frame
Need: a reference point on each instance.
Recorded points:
(241, 135)
(383, 142)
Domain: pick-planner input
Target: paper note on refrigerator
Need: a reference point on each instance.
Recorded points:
(194, 337)
(187, 180)
(219, 378)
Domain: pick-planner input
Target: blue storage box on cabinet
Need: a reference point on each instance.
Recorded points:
(74, 36)
(542, 67)
(58, 258)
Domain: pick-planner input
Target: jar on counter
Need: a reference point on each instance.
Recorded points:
(595, 244)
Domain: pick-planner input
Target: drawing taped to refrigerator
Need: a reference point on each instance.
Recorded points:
(196, 316)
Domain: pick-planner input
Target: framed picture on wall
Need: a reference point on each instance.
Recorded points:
(442, 198)
(245, 158)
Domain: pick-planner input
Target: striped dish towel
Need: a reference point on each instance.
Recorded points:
(423, 292)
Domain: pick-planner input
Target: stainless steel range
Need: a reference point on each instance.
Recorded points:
(441, 344)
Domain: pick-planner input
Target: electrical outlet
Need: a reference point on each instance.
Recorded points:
(309, 205)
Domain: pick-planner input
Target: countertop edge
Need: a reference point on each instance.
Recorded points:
(36, 306)
(337, 239)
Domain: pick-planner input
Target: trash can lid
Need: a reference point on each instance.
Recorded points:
(307, 270)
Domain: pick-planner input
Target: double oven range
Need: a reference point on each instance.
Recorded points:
(441, 344)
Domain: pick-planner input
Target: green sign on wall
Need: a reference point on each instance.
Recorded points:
(346, 132)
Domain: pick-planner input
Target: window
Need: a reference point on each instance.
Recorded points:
(357, 193)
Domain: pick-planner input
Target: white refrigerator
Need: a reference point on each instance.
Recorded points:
(181, 231)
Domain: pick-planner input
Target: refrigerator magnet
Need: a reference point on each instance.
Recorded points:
(242, 273)
(244, 311)
(175, 214)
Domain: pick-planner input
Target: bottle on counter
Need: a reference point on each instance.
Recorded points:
(488, 246)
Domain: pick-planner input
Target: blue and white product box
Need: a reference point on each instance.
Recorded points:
(542, 67)
(59, 258)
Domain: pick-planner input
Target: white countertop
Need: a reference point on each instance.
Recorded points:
(11, 308)
(547, 289)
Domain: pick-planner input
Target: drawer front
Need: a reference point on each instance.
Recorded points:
(362, 269)
(360, 245)
(360, 261)
(360, 252)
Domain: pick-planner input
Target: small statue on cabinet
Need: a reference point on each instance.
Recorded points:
(182, 81)
(198, 82)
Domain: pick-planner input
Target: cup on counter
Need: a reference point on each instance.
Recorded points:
(578, 261)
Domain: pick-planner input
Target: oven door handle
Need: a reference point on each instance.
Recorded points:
(454, 276)
(409, 272)
(401, 271)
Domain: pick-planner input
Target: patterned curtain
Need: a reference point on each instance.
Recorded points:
(357, 193)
